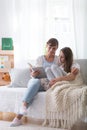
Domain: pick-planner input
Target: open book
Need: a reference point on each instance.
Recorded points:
(41, 69)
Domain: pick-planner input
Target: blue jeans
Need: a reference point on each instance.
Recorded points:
(34, 86)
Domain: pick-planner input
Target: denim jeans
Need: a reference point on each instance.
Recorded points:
(34, 86)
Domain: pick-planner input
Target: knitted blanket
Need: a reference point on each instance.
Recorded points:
(66, 103)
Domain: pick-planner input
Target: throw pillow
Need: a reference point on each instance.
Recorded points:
(19, 77)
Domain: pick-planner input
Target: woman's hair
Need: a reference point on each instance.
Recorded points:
(68, 58)
(53, 42)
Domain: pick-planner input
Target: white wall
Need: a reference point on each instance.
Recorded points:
(6, 18)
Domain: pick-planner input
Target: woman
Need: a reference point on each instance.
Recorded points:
(35, 85)
(67, 70)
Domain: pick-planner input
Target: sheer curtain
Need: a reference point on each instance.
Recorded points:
(60, 23)
(35, 21)
(80, 26)
(32, 22)
(29, 26)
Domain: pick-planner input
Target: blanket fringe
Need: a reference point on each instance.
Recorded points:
(66, 103)
(66, 118)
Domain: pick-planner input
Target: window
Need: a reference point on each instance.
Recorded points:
(39, 20)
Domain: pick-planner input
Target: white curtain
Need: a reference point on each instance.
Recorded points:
(60, 23)
(29, 26)
(80, 27)
(35, 21)
(32, 22)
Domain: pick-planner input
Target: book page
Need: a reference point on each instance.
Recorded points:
(41, 69)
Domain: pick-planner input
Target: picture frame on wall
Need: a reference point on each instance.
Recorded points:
(7, 44)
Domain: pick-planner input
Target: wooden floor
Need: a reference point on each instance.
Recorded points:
(80, 126)
(5, 125)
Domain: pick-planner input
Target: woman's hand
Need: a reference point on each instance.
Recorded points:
(35, 73)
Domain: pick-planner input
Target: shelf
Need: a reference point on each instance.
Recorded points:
(3, 70)
(6, 52)
(7, 63)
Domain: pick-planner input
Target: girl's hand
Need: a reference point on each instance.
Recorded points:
(75, 71)
(53, 81)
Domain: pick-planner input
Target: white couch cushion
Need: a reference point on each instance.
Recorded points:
(19, 77)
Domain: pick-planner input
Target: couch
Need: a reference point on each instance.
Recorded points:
(11, 95)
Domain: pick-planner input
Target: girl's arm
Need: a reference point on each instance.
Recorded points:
(68, 77)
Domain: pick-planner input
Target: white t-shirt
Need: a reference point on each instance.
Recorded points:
(41, 61)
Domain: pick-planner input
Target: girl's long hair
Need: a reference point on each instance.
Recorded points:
(68, 58)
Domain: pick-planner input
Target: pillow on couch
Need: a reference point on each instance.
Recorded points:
(19, 77)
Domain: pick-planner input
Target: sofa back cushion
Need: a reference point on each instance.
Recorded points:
(20, 77)
(83, 68)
